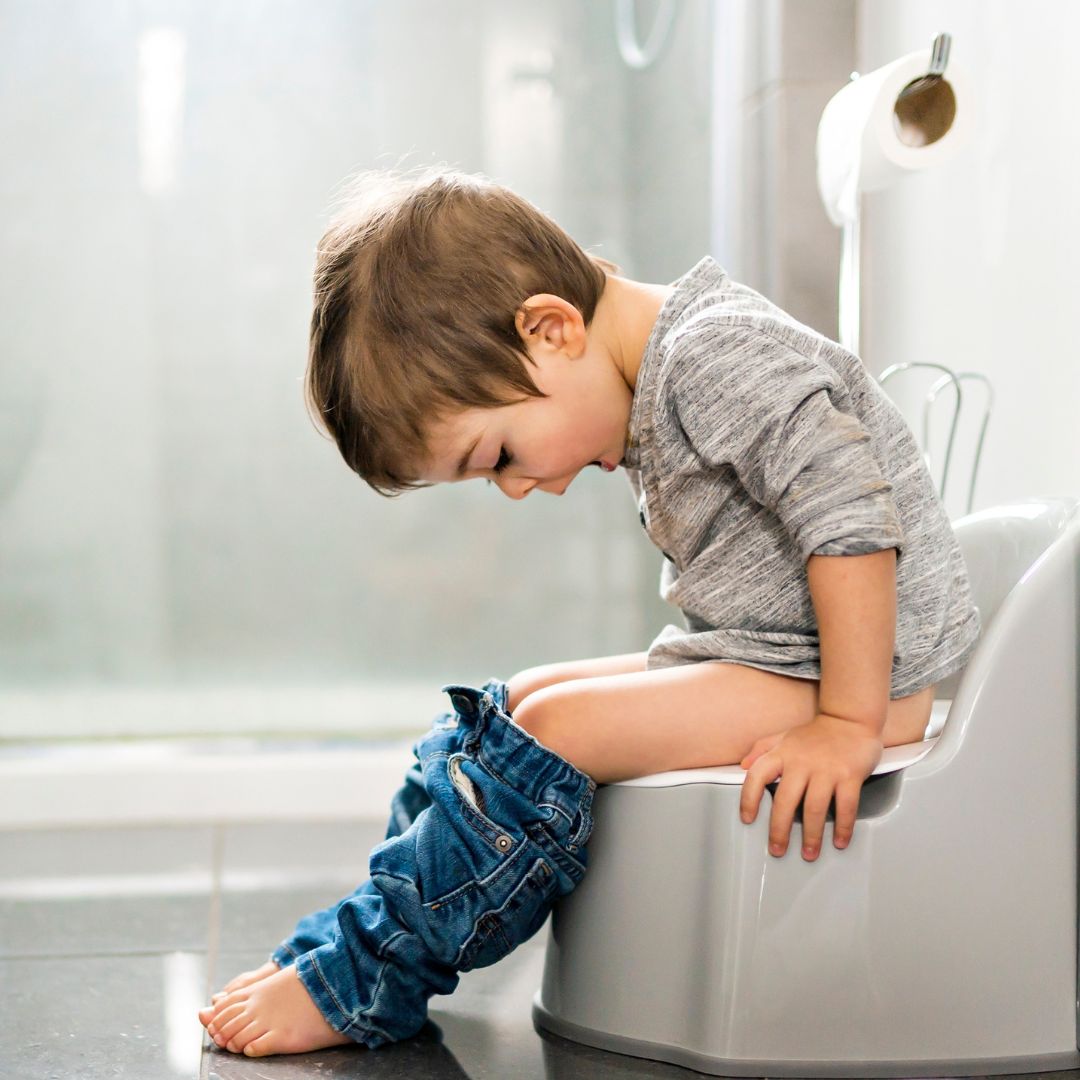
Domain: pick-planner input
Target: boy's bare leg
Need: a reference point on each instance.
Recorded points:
(532, 679)
(617, 727)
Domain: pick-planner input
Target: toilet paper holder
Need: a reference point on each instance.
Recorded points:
(939, 60)
(924, 112)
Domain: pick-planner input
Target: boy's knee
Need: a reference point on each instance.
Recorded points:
(525, 683)
(532, 715)
(546, 713)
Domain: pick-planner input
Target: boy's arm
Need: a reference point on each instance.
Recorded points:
(753, 402)
(855, 603)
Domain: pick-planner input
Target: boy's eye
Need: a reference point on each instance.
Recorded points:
(501, 463)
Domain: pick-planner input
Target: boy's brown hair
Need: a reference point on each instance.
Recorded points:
(417, 281)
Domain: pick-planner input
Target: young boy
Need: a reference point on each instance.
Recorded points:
(459, 333)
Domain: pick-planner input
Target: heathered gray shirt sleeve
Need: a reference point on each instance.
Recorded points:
(755, 443)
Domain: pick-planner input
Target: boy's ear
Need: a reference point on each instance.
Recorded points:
(550, 319)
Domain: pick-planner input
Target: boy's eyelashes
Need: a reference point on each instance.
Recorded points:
(501, 464)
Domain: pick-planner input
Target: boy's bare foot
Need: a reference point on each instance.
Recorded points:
(245, 978)
(272, 1015)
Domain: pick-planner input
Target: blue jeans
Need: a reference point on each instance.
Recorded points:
(487, 832)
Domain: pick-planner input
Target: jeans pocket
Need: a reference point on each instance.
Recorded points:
(498, 931)
(497, 824)
(465, 787)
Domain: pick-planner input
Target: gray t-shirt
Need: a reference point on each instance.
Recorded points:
(756, 442)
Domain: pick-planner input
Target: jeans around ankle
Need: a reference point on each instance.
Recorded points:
(487, 832)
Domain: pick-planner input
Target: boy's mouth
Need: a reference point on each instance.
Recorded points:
(603, 465)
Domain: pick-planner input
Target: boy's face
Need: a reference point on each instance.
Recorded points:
(542, 442)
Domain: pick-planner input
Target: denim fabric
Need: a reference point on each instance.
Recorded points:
(487, 832)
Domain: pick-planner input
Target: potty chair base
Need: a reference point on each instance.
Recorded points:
(686, 942)
(941, 942)
(732, 1067)
(711, 1066)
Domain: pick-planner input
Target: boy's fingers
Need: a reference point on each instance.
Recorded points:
(815, 810)
(847, 809)
(752, 788)
(786, 801)
(762, 772)
(762, 746)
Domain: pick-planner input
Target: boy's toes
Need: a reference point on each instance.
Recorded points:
(241, 1039)
(231, 1022)
(259, 1047)
(206, 1015)
(246, 978)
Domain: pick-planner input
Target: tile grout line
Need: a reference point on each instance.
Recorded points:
(213, 937)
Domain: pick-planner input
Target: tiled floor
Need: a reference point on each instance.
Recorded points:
(112, 939)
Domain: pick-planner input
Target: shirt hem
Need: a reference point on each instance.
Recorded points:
(941, 671)
(905, 682)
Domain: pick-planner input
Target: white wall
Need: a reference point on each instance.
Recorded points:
(975, 266)
(777, 63)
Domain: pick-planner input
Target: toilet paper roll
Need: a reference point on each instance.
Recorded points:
(867, 137)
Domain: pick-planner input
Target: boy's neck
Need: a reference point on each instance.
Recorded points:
(624, 319)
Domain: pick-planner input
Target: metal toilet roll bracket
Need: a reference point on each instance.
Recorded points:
(931, 397)
(939, 59)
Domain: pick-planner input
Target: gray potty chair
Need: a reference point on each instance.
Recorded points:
(941, 942)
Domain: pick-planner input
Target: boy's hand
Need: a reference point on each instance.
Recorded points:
(828, 754)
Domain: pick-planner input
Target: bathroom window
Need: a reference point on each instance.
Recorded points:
(181, 552)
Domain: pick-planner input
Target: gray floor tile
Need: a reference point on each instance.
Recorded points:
(44, 854)
(127, 890)
(337, 847)
(84, 1019)
(274, 874)
(262, 920)
(104, 926)
(417, 1059)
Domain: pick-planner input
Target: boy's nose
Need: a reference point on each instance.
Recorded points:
(516, 487)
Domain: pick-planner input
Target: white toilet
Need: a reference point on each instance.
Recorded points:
(941, 942)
